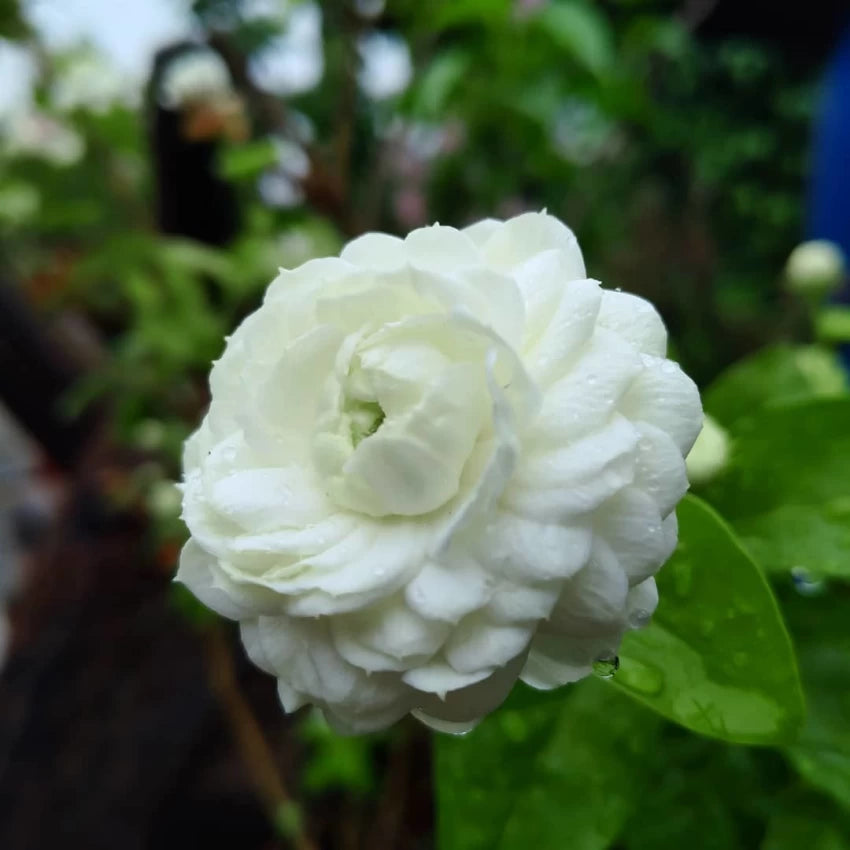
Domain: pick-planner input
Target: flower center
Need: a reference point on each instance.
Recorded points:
(365, 417)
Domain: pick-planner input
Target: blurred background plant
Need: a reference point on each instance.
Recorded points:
(144, 209)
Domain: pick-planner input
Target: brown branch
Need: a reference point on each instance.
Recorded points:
(321, 186)
(251, 743)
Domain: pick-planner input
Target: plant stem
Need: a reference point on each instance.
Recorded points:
(253, 748)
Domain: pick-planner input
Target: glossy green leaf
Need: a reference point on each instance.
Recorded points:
(779, 374)
(785, 491)
(717, 657)
(546, 771)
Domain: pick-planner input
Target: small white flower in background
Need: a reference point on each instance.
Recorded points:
(88, 81)
(815, 268)
(163, 500)
(294, 62)
(435, 465)
(710, 454)
(198, 75)
(386, 65)
(33, 133)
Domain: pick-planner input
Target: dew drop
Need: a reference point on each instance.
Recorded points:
(805, 583)
(606, 666)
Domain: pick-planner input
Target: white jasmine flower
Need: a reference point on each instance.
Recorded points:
(89, 81)
(199, 74)
(293, 62)
(710, 454)
(435, 465)
(386, 65)
(33, 133)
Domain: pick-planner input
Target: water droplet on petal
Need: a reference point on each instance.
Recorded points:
(606, 666)
(639, 618)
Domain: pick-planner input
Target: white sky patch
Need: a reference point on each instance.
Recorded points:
(128, 33)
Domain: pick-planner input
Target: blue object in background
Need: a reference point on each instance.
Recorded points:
(829, 203)
(829, 198)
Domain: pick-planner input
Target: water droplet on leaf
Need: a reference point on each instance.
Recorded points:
(805, 583)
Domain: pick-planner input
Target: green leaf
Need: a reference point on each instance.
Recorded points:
(717, 658)
(775, 375)
(785, 489)
(581, 31)
(452, 13)
(833, 325)
(247, 161)
(804, 821)
(546, 771)
(822, 754)
(439, 81)
(697, 793)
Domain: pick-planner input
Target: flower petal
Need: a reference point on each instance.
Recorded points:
(635, 320)
(195, 572)
(447, 592)
(631, 525)
(664, 396)
(375, 251)
(522, 237)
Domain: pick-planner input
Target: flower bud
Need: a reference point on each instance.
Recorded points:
(710, 454)
(815, 268)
